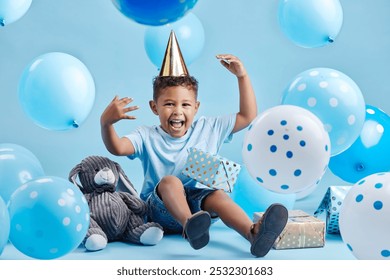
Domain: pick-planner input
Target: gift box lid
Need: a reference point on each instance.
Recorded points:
(296, 216)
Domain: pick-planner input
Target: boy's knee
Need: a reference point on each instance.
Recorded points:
(169, 183)
(218, 196)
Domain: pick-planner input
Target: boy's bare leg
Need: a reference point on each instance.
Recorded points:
(261, 235)
(195, 226)
(171, 191)
(230, 213)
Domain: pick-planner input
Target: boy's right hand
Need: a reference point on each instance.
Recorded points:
(117, 111)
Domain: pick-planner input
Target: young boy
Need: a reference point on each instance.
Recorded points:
(180, 204)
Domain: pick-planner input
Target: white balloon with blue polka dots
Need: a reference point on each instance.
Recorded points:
(364, 219)
(286, 149)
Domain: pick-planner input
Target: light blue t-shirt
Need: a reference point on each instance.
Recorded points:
(162, 154)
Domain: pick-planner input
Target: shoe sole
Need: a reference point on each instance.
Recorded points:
(273, 223)
(197, 230)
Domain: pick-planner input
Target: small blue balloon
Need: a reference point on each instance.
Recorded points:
(190, 36)
(252, 197)
(57, 91)
(310, 23)
(49, 217)
(12, 10)
(370, 153)
(18, 165)
(154, 12)
(4, 225)
(334, 98)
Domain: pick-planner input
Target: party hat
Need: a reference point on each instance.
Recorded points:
(173, 63)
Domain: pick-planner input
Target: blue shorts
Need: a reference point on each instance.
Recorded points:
(158, 212)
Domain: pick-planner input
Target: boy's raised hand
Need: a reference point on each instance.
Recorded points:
(233, 64)
(117, 111)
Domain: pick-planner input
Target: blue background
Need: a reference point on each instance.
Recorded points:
(112, 48)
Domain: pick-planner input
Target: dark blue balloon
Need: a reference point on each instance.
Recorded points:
(154, 12)
(370, 153)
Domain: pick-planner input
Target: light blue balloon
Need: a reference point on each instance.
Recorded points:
(154, 12)
(334, 98)
(4, 225)
(310, 23)
(12, 10)
(18, 165)
(49, 217)
(57, 91)
(370, 153)
(252, 197)
(189, 32)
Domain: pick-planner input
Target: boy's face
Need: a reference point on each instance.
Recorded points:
(176, 107)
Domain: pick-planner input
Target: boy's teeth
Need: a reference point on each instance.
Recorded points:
(176, 123)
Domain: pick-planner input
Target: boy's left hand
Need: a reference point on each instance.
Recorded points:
(233, 64)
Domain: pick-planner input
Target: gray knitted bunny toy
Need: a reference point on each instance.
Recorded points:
(115, 215)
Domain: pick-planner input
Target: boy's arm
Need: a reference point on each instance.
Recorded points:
(116, 111)
(248, 106)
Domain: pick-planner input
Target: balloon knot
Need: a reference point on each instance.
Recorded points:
(360, 167)
(330, 39)
(2, 22)
(75, 124)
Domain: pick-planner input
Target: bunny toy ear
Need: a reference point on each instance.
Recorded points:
(73, 175)
(126, 184)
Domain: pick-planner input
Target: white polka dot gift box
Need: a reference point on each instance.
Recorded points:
(331, 203)
(213, 171)
(302, 231)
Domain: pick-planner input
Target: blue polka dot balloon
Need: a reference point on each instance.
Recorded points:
(286, 149)
(364, 219)
(49, 217)
(335, 99)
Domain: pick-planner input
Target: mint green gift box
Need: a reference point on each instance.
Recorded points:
(210, 170)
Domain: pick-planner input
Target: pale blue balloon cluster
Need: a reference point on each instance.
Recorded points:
(49, 217)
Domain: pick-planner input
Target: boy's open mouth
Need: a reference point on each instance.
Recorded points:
(176, 123)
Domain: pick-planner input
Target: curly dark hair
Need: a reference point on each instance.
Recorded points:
(160, 83)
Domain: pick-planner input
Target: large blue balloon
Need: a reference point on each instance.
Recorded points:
(18, 165)
(154, 12)
(310, 23)
(4, 225)
(49, 217)
(12, 10)
(334, 98)
(190, 36)
(57, 91)
(252, 197)
(370, 153)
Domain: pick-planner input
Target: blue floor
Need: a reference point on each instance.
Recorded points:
(225, 244)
